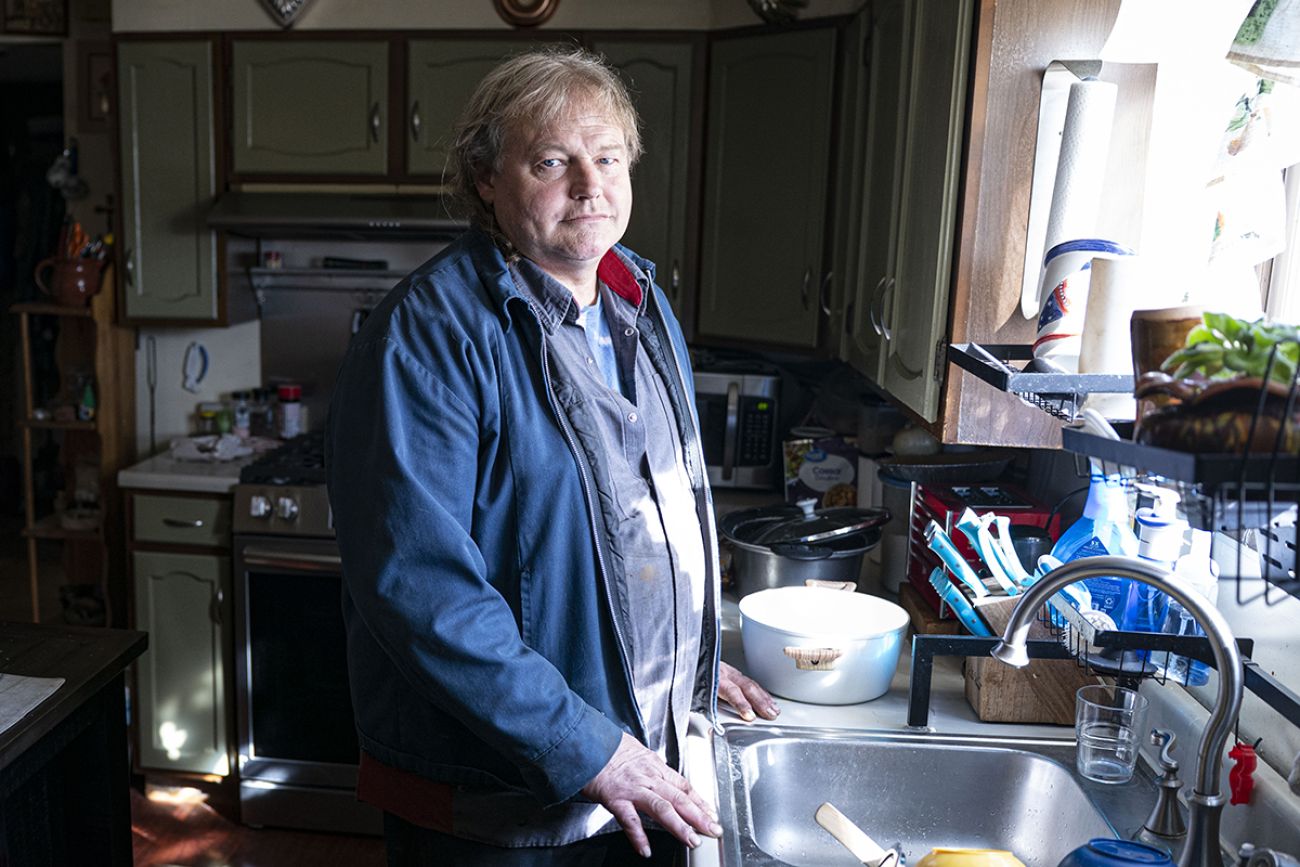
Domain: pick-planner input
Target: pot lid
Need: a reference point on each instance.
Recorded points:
(801, 523)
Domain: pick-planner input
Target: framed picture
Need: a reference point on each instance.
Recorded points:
(95, 90)
(36, 17)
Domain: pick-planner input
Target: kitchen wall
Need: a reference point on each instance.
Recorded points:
(234, 362)
(146, 15)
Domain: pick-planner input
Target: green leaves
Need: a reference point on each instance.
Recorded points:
(1223, 347)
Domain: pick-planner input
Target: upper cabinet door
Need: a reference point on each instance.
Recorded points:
(169, 178)
(884, 116)
(766, 187)
(304, 108)
(441, 76)
(916, 304)
(659, 76)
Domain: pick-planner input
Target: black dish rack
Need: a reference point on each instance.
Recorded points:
(1058, 394)
(1230, 493)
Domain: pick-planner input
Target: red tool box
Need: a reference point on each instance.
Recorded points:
(944, 505)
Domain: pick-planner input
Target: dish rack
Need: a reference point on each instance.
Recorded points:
(1060, 395)
(1229, 493)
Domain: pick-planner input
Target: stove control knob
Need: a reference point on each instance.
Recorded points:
(286, 508)
(259, 506)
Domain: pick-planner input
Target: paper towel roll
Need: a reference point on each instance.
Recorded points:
(1113, 294)
(1081, 169)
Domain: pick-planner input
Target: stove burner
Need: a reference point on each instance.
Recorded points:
(300, 461)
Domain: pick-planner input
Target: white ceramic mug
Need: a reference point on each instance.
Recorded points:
(1064, 299)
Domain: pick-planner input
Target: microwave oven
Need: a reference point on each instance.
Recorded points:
(738, 421)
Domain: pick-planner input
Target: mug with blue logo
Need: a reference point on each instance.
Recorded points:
(1067, 269)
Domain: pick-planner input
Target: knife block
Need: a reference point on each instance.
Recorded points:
(1042, 692)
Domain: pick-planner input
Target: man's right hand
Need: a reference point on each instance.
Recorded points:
(636, 780)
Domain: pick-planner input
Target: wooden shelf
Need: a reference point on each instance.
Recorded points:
(50, 528)
(51, 424)
(51, 309)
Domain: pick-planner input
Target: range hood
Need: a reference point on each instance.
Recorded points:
(334, 215)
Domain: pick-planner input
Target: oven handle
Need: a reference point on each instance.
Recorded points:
(298, 562)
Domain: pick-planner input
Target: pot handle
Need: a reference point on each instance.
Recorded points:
(800, 551)
(850, 586)
(814, 658)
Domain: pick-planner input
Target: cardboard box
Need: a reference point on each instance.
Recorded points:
(823, 468)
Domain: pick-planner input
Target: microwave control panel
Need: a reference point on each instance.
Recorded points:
(757, 424)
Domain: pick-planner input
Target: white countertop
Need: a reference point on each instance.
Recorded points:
(164, 473)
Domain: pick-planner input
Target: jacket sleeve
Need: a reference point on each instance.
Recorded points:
(404, 463)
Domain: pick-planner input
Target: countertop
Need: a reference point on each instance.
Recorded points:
(164, 473)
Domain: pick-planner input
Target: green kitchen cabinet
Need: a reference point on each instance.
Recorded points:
(441, 76)
(896, 328)
(179, 701)
(881, 150)
(914, 301)
(660, 75)
(169, 178)
(309, 107)
(766, 187)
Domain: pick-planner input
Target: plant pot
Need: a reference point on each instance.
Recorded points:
(1223, 417)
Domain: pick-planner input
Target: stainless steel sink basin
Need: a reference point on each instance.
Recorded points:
(921, 790)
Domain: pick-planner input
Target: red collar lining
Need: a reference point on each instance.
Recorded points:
(618, 277)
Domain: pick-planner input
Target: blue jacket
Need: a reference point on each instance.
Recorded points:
(482, 648)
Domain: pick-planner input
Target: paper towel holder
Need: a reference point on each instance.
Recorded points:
(1057, 78)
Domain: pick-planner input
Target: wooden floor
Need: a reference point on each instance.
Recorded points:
(192, 834)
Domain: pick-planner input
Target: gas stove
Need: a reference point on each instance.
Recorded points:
(283, 493)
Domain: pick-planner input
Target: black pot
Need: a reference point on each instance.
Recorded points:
(784, 546)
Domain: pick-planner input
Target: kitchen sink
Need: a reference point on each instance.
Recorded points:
(920, 790)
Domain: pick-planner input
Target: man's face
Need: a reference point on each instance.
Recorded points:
(563, 195)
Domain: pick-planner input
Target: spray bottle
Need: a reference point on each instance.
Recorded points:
(1160, 540)
(1199, 573)
(1104, 529)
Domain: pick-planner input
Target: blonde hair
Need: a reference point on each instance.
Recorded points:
(535, 89)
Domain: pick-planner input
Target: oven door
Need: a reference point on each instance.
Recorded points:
(293, 702)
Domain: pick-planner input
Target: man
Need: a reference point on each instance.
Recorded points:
(529, 558)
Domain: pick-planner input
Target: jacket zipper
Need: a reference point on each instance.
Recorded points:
(699, 469)
(595, 534)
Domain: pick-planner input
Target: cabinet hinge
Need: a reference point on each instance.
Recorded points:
(940, 359)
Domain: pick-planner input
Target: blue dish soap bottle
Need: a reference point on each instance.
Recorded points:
(1104, 529)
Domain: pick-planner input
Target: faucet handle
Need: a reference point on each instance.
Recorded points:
(1164, 740)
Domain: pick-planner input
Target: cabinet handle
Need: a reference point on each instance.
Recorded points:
(821, 293)
(417, 123)
(807, 282)
(871, 307)
(189, 525)
(374, 122)
(218, 599)
(130, 267)
(887, 294)
(675, 281)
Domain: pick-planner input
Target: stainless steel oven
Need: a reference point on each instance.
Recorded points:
(298, 752)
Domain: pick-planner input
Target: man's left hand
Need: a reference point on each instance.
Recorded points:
(745, 695)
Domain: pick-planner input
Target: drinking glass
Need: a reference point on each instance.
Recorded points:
(1108, 722)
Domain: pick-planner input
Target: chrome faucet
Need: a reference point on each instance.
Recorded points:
(1206, 800)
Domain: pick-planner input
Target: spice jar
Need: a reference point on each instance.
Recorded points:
(290, 410)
